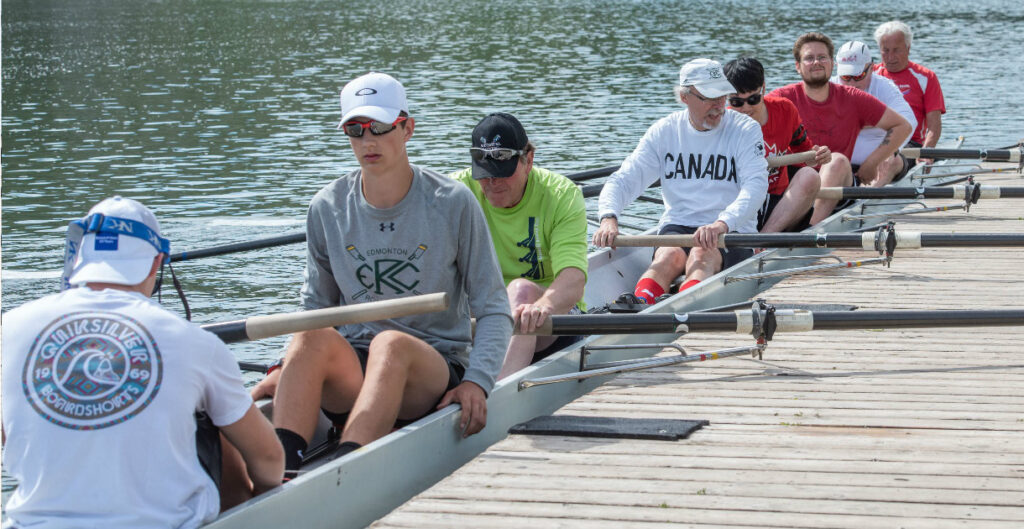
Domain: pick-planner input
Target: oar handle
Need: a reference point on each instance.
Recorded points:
(992, 155)
(791, 159)
(644, 241)
(258, 327)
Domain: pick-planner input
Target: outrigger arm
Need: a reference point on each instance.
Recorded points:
(761, 321)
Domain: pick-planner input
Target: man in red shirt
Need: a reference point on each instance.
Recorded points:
(789, 198)
(834, 114)
(919, 85)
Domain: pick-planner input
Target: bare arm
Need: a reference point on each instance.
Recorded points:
(897, 130)
(254, 437)
(565, 291)
(933, 124)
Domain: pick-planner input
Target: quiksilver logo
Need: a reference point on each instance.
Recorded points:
(366, 92)
(92, 370)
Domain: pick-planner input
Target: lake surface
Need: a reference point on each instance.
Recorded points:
(221, 115)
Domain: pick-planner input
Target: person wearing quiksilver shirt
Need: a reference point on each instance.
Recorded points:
(713, 173)
(100, 388)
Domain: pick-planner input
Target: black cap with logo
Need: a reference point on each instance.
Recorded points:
(497, 131)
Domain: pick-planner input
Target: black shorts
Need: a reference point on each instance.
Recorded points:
(770, 201)
(208, 447)
(455, 374)
(730, 256)
(907, 165)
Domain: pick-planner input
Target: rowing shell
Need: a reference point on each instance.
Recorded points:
(359, 488)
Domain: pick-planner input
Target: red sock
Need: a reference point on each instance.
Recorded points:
(688, 284)
(648, 289)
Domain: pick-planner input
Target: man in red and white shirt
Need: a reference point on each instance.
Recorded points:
(789, 197)
(834, 115)
(919, 85)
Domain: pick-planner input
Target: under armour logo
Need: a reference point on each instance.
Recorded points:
(389, 225)
(366, 92)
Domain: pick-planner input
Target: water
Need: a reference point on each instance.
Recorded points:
(221, 115)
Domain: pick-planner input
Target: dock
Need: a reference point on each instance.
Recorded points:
(915, 428)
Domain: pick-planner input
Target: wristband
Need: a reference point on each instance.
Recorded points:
(278, 364)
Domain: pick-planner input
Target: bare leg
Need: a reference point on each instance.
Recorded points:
(795, 202)
(522, 347)
(703, 264)
(405, 377)
(836, 173)
(321, 370)
(888, 170)
(668, 264)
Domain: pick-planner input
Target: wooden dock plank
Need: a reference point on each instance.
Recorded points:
(916, 428)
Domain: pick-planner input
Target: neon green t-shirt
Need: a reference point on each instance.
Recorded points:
(543, 234)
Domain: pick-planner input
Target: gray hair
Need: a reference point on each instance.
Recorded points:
(893, 26)
(680, 92)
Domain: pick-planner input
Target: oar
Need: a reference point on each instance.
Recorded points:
(865, 240)
(791, 159)
(583, 176)
(741, 321)
(280, 240)
(594, 190)
(293, 238)
(258, 327)
(993, 155)
(958, 192)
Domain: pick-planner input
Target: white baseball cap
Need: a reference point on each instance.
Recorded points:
(852, 58)
(111, 257)
(707, 76)
(377, 96)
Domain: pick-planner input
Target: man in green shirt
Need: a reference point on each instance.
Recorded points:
(538, 223)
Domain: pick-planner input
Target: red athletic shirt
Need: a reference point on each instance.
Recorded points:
(836, 122)
(920, 87)
(783, 134)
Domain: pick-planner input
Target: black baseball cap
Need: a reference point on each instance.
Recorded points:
(498, 131)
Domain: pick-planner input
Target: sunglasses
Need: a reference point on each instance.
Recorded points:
(856, 78)
(355, 129)
(501, 155)
(738, 102)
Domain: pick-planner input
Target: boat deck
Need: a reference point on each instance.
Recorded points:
(918, 428)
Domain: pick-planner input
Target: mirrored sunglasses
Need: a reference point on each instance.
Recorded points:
(856, 78)
(499, 154)
(355, 129)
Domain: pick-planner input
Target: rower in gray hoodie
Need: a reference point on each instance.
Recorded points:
(389, 230)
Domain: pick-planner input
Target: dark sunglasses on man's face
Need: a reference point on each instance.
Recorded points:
(498, 154)
(856, 78)
(737, 102)
(354, 129)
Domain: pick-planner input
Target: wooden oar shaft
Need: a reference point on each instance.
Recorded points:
(866, 240)
(258, 327)
(280, 240)
(956, 192)
(993, 155)
(787, 320)
(791, 159)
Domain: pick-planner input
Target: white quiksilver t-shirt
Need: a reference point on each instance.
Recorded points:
(99, 394)
(719, 174)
